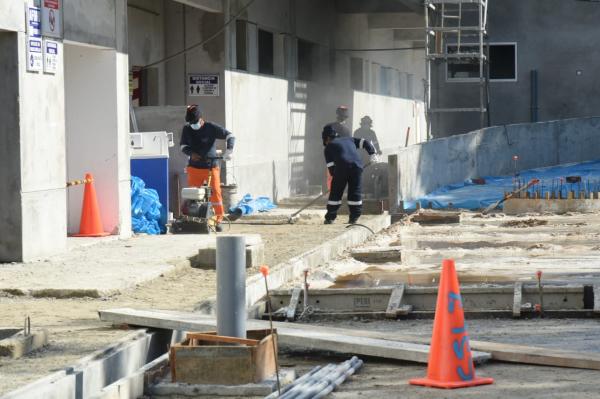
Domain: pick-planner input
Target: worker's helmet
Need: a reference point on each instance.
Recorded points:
(366, 121)
(328, 132)
(193, 113)
(342, 112)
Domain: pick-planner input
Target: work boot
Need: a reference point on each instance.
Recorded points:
(353, 220)
(327, 221)
(219, 228)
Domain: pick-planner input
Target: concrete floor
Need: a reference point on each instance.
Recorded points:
(496, 248)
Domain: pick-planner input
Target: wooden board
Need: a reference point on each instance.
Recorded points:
(297, 335)
(502, 352)
(435, 217)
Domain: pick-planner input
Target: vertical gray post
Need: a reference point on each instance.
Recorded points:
(393, 183)
(231, 286)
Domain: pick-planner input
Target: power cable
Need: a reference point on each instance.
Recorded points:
(213, 36)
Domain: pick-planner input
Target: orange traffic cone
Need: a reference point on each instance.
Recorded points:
(90, 224)
(450, 363)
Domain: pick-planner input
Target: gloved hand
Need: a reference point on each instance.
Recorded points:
(374, 158)
(227, 155)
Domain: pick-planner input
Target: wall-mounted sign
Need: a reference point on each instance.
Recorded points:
(34, 21)
(52, 18)
(35, 59)
(203, 84)
(50, 56)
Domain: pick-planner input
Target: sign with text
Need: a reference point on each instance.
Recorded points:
(35, 59)
(52, 18)
(203, 84)
(50, 56)
(34, 21)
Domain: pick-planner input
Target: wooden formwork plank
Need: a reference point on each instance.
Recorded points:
(394, 304)
(291, 309)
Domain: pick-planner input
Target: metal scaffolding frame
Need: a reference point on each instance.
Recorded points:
(444, 23)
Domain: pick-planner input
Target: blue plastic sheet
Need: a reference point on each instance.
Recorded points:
(145, 209)
(249, 205)
(468, 195)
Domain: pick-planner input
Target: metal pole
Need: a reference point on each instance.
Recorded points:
(428, 74)
(231, 286)
(481, 77)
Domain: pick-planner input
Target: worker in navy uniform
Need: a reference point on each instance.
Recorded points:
(198, 142)
(340, 124)
(345, 165)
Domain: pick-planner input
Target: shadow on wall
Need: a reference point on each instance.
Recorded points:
(428, 166)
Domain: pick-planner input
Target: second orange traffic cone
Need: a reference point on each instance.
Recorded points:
(90, 224)
(450, 362)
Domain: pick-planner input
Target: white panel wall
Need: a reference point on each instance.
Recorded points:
(391, 119)
(92, 130)
(257, 114)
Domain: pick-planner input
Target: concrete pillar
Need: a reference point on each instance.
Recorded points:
(394, 194)
(32, 210)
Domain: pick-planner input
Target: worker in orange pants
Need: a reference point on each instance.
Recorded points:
(198, 142)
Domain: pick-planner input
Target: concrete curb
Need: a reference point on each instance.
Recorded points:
(286, 271)
(92, 373)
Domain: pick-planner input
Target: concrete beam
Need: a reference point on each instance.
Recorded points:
(401, 20)
(205, 5)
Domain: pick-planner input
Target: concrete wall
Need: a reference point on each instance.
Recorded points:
(424, 167)
(146, 43)
(33, 210)
(279, 150)
(557, 38)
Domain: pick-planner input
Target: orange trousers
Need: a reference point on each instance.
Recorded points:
(197, 177)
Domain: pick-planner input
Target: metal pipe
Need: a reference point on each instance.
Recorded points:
(231, 286)
(297, 381)
(297, 385)
(325, 381)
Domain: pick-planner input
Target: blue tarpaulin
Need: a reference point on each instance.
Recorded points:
(468, 195)
(249, 205)
(145, 209)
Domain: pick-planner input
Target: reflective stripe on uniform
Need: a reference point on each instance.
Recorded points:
(362, 143)
(354, 203)
(330, 164)
(334, 202)
(216, 203)
(183, 146)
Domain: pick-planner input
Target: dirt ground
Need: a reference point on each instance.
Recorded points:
(75, 330)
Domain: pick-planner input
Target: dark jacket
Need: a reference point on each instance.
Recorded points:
(203, 143)
(342, 153)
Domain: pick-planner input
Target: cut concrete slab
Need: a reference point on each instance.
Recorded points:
(517, 206)
(255, 256)
(264, 388)
(426, 216)
(18, 344)
(377, 254)
(98, 270)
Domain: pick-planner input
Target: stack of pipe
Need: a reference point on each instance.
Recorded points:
(320, 381)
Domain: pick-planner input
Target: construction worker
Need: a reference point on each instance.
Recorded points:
(340, 124)
(345, 165)
(198, 142)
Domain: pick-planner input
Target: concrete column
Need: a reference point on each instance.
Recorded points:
(32, 141)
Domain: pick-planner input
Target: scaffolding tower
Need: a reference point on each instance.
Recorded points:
(456, 32)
